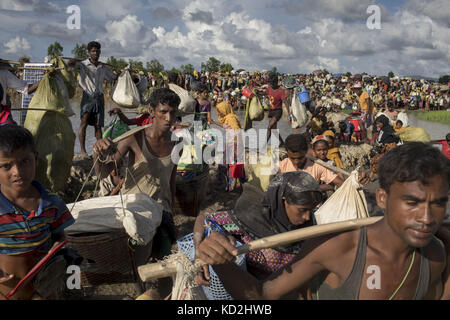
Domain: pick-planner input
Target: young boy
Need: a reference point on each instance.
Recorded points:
(32, 220)
(5, 111)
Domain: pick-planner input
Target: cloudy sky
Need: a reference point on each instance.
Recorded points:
(296, 36)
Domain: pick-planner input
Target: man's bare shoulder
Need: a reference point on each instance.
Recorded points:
(435, 253)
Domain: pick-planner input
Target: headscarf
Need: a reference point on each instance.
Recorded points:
(269, 217)
(227, 116)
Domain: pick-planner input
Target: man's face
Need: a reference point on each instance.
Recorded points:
(17, 169)
(415, 211)
(94, 53)
(298, 159)
(164, 116)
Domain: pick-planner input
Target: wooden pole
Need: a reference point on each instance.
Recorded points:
(329, 166)
(31, 109)
(165, 269)
(10, 62)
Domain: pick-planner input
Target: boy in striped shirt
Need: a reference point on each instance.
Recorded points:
(32, 220)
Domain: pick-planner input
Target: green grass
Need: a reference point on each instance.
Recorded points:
(347, 111)
(442, 116)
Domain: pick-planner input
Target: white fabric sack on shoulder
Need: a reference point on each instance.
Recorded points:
(347, 203)
(188, 103)
(142, 216)
(125, 93)
(299, 115)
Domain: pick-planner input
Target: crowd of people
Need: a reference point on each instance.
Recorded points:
(414, 180)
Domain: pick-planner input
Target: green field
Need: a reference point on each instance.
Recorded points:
(442, 116)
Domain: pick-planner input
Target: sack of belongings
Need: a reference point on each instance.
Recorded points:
(53, 135)
(125, 93)
(139, 215)
(261, 173)
(299, 115)
(347, 203)
(413, 134)
(69, 77)
(188, 103)
(256, 110)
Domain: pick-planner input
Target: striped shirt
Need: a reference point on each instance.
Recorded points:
(24, 232)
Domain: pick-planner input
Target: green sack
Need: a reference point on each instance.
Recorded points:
(69, 77)
(188, 159)
(256, 110)
(115, 129)
(53, 135)
(410, 134)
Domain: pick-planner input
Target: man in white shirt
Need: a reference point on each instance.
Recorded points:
(9, 80)
(93, 73)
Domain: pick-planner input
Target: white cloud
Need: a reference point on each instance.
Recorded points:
(17, 45)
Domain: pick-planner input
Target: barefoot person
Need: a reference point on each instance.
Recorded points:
(276, 96)
(150, 165)
(93, 73)
(410, 262)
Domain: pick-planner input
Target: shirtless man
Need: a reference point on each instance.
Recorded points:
(151, 169)
(408, 259)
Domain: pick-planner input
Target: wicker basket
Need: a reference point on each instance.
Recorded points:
(114, 256)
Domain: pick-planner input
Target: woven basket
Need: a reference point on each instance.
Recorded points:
(115, 258)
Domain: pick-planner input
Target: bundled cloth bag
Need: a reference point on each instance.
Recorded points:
(125, 93)
(347, 203)
(413, 134)
(69, 77)
(139, 215)
(53, 135)
(261, 173)
(188, 103)
(299, 115)
(256, 110)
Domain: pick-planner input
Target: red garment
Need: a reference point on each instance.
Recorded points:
(143, 120)
(445, 148)
(5, 116)
(276, 97)
(356, 124)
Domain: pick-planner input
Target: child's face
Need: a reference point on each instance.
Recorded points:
(321, 150)
(17, 169)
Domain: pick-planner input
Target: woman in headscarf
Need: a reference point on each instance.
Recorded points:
(386, 133)
(233, 171)
(288, 204)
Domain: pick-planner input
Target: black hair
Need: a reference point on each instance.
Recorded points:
(447, 137)
(401, 122)
(172, 76)
(13, 137)
(93, 44)
(164, 96)
(296, 143)
(273, 80)
(320, 141)
(411, 162)
(304, 198)
(202, 87)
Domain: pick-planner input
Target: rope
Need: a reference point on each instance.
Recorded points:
(184, 278)
(406, 276)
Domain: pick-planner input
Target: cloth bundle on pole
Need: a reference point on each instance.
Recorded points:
(188, 103)
(299, 115)
(347, 203)
(69, 77)
(256, 110)
(53, 135)
(125, 93)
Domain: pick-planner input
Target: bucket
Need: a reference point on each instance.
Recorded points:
(303, 96)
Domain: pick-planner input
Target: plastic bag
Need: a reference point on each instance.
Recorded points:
(413, 134)
(125, 93)
(256, 110)
(299, 115)
(115, 129)
(188, 103)
(347, 203)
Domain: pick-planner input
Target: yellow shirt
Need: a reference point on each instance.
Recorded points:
(333, 155)
(363, 103)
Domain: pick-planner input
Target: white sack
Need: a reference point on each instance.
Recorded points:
(125, 93)
(346, 203)
(299, 115)
(188, 103)
(105, 214)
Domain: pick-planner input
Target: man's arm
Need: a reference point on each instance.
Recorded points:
(444, 235)
(122, 117)
(103, 149)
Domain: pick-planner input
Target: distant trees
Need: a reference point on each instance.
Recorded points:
(154, 66)
(118, 64)
(188, 68)
(80, 51)
(55, 49)
(212, 65)
(226, 67)
(444, 79)
(391, 74)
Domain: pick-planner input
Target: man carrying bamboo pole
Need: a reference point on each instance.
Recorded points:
(399, 257)
(93, 73)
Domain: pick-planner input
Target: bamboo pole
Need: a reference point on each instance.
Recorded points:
(31, 109)
(80, 59)
(165, 269)
(328, 166)
(10, 62)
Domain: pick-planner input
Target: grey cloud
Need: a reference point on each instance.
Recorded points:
(202, 16)
(438, 10)
(163, 13)
(59, 31)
